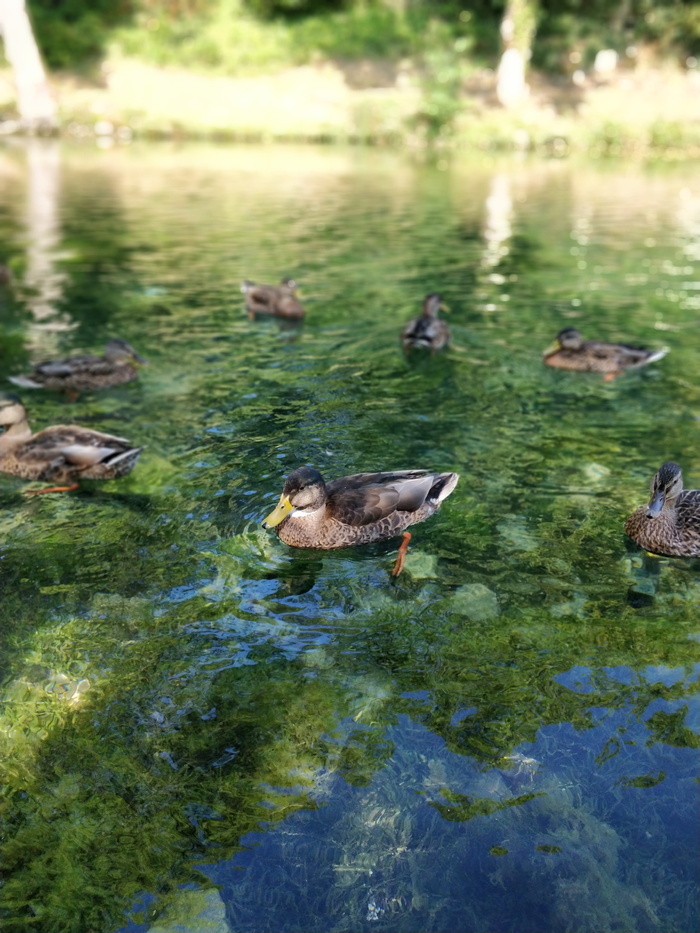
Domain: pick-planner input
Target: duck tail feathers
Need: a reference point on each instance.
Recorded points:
(657, 354)
(25, 382)
(442, 487)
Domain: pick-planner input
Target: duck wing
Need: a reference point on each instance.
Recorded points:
(64, 367)
(365, 498)
(688, 508)
(425, 332)
(625, 356)
(260, 297)
(76, 445)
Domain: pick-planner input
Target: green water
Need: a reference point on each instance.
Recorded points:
(200, 726)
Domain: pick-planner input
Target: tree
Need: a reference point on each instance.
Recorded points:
(517, 32)
(37, 108)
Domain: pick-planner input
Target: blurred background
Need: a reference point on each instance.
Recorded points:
(606, 76)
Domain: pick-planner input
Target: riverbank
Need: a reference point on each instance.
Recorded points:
(646, 112)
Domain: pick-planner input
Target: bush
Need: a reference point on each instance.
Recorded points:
(70, 32)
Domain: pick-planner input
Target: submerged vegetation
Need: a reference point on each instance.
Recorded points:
(195, 720)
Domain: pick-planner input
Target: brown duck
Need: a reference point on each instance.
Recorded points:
(670, 524)
(277, 300)
(64, 453)
(427, 331)
(571, 351)
(81, 373)
(356, 509)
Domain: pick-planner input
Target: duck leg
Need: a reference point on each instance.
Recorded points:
(39, 492)
(401, 556)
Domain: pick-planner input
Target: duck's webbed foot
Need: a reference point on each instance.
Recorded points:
(401, 556)
(39, 492)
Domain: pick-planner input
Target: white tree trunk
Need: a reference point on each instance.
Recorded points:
(517, 32)
(37, 108)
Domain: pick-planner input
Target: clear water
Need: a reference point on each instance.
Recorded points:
(204, 730)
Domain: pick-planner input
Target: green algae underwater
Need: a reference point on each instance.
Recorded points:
(204, 730)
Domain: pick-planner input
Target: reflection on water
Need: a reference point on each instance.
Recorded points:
(202, 726)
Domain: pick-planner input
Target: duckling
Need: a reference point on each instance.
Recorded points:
(75, 374)
(427, 331)
(356, 509)
(571, 351)
(670, 524)
(60, 454)
(277, 300)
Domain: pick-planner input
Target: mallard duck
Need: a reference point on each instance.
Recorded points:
(670, 524)
(571, 351)
(356, 509)
(278, 300)
(80, 373)
(64, 453)
(427, 331)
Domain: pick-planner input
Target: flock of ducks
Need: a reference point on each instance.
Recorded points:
(311, 513)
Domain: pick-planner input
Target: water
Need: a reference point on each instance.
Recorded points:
(202, 727)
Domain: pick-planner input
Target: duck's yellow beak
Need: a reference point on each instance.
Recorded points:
(552, 348)
(283, 508)
(445, 307)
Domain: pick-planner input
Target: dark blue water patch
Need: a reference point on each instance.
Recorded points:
(345, 866)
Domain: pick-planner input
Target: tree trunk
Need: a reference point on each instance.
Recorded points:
(37, 108)
(517, 32)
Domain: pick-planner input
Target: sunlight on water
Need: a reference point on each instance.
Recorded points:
(201, 726)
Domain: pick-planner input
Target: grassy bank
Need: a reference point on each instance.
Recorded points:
(361, 74)
(650, 113)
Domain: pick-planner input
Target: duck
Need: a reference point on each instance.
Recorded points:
(571, 351)
(356, 509)
(74, 374)
(277, 300)
(63, 453)
(670, 524)
(427, 331)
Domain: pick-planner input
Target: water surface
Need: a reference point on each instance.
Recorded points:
(201, 725)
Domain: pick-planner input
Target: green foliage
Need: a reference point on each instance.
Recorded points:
(269, 8)
(70, 32)
(672, 26)
(239, 35)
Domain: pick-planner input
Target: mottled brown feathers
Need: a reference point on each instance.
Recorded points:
(84, 372)
(571, 351)
(277, 300)
(62, 453)
(670, 524)
(360, 508)
(427, 331)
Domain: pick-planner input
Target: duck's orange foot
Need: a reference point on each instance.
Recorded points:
(608, 377)
(401, 556)
(40, 492)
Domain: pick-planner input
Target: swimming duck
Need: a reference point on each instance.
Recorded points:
(79, 373)
(278, 300)
(356, 509)
(571, 351)
(63, 453)
(427, 331)
(670, 524)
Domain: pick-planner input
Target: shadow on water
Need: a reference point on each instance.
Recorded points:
(200, 725)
